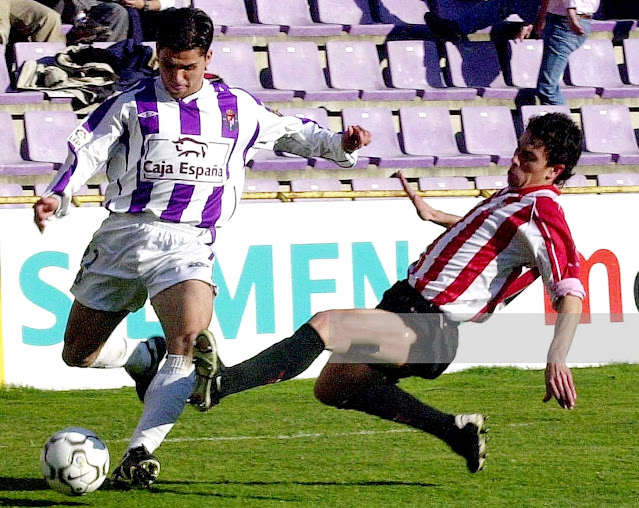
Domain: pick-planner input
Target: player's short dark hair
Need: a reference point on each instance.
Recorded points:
(185, 29)
(562, 140)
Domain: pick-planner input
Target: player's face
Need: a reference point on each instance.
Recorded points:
(182, 72)
(529, 166)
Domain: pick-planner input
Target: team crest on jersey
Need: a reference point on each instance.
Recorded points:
(79, 137)
(230, 120)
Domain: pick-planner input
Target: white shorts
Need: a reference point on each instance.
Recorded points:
(135, 256)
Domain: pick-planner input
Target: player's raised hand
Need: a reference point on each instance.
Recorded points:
(355, 137)
(44, 209)
(560, 385)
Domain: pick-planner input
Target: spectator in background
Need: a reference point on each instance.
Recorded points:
(565, 25)
(29, 19)
(482, 15)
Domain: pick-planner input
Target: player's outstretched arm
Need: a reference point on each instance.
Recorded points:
(44, 209)
(424, 210)
(559, 381)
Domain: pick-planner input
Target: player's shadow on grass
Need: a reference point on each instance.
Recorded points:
(28, 485)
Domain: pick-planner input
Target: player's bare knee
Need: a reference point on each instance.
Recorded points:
(320, 323)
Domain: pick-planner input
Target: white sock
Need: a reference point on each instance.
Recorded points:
(164, 402)
(114, 353)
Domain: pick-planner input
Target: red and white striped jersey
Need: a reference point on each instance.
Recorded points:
(495, 251)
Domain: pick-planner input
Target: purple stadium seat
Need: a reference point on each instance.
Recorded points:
(427, 130)
(489, 130)
(261, 185)
(317, 115)
(384, 150)
(234, 62)
(414, 65)
(608, 129)
(375, 184)
(267, 160)
(594, 64)
(426, 183)
(617, 179)
(587, 158)
(354, 16)
(40, 51)
(231, 18)
(52, 126)
(355, 65)
(12, 190)
(524, 62)
(294, 18)
(316, 184)
(11, 162)
(631, 59)
(491, 182)
(577, 180)
(297, 66)
(401, 12)
(10, 96)
(476, 64)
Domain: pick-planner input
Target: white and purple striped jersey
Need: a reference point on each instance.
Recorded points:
(182, 160)
(498, 249)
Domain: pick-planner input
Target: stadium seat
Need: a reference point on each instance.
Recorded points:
(354, 16)
(268, 160)
(587, 158)
(376, 184)
(594, 64)
(52, 126)
(384, 150)
(231, 18)
(297, 66)
(261, 185)
(234, 62)
(11, 162)
(577, 180)
(316, 184)
(609, 129)
(617, 179)
(524, 61)
(356, 65)
(631, 60)
(476, 64)
(12, 190)
(43, 52)
(317, 115)
(294, 18)
(426, 183)
(427, 130)
(10, 96)
(401, 12)
(490, 182)
(414, 65)
(489, 130)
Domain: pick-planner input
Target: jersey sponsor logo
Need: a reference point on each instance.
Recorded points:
(148, 114)
(187, 159)
(79, 137)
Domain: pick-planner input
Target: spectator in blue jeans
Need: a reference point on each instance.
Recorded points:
(565, 25)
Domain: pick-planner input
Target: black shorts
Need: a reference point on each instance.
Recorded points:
(436, 335)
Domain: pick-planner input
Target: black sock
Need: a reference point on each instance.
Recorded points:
(283, 360)
(390, 402)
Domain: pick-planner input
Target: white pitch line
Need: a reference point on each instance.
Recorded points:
(313, 435)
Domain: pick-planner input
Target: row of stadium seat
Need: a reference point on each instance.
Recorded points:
(484, 182)
(425, 138)
(354, 70)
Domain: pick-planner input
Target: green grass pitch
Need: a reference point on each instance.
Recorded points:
(277, 446)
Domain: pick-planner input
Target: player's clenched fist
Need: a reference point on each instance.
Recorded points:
(44, 209)
(355, 137)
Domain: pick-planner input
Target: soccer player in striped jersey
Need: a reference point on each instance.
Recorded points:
(480, 261)
(174, 150)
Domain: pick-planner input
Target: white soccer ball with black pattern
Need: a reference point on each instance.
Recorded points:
(74, 461)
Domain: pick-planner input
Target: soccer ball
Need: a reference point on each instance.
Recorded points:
(74, 461)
